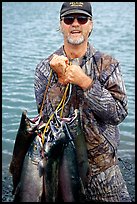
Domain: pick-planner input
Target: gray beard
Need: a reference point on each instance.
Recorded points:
(76, 42)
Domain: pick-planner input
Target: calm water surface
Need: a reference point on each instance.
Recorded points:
(29, 34)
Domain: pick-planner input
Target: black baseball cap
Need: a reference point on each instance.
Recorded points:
(76, 7)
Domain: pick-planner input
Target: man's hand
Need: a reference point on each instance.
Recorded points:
(59, 65)
(69, 73)
(75, 75)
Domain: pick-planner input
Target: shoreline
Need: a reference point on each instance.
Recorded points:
(127, 169)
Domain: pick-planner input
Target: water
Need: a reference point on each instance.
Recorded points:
(29, 34)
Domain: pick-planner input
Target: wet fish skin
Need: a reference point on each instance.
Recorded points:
(31, 183)
(55, 148)
(21, 146)
(62, 175)
(37, 175)
(69, 180)
(81, 152)
(58, 181)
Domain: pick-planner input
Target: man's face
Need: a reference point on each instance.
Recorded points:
(76, 28)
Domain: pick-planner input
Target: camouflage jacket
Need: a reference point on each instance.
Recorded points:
(102, 107)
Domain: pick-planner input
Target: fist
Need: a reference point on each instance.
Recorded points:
(59, 65)
(75, 75)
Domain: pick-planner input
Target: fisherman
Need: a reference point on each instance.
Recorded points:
(98, 92)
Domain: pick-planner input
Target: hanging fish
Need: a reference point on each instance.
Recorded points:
(49, 171)
(22, 143)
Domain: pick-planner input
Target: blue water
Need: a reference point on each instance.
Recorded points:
(29, 34)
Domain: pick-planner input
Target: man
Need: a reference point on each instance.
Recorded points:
(100, 95)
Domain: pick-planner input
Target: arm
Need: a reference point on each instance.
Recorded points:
(40, 81)
(109, 102)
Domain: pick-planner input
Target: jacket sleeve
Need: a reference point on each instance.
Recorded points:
(40, 81)
(107, 97)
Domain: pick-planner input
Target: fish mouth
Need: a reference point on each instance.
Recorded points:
(35, 123)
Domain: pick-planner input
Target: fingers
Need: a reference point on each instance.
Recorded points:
(66, 73)
(60, 58)
(59, 64)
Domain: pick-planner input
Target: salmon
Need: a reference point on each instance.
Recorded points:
(22, 143)
(52, 172)
(66, 185)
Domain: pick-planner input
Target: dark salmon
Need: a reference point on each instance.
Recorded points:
(21, 146)
(54, 173)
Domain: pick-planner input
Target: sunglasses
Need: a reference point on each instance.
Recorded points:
(70, 19)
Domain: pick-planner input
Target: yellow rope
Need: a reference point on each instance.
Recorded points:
(62, 102)
(64, 99)
(65, 95)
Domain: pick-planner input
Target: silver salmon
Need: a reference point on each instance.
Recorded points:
(56, 175)
(21, 146)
